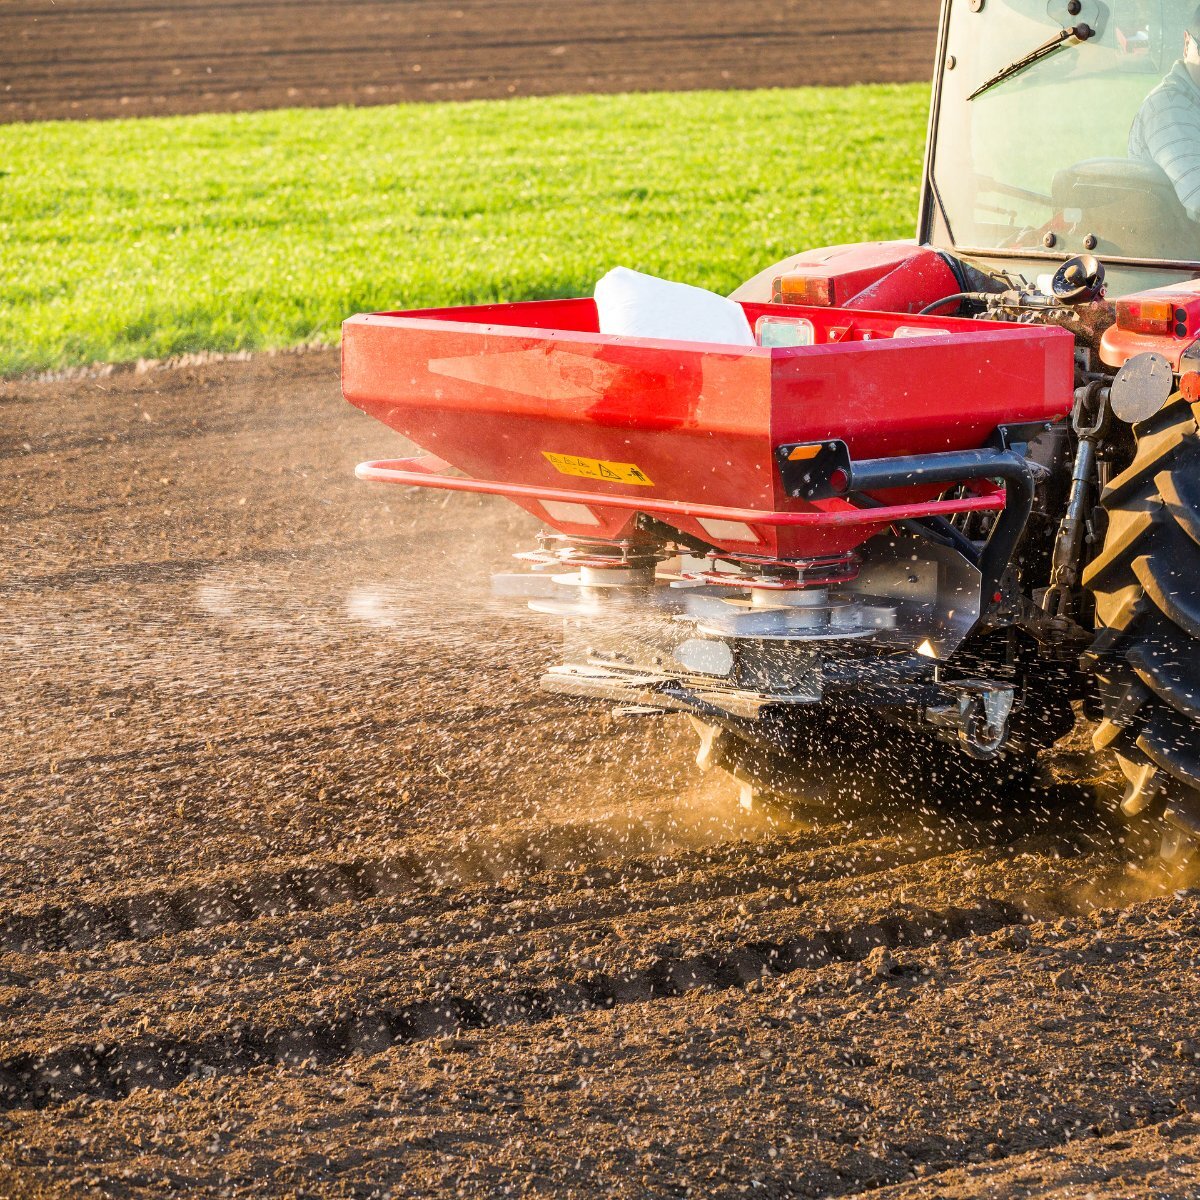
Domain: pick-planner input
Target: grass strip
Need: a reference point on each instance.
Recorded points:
(154, 237)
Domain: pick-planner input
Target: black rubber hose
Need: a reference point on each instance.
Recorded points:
(958, 298)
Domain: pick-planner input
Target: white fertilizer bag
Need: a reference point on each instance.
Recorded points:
(635, 305)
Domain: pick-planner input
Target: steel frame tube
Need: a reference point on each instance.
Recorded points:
(427, 472)
(957, 466)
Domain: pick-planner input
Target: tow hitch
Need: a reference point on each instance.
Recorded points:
(979, 721)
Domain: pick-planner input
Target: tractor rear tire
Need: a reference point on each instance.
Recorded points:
(1146, 655)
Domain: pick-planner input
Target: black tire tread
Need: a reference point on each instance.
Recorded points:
(1114, 737)
(1157, 452)
(1168, 587)
(1146, 584)
(1180, 492)
(1169, 745)
(1173, 412)
(1173, 680)
(1126, 534)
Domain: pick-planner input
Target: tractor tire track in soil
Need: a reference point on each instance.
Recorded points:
(370, 1025)
(464, 940)
(94, 58)
(303, 891)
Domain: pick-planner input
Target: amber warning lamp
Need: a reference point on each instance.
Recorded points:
(1161, 316)
(1162, 320)
(815, 290)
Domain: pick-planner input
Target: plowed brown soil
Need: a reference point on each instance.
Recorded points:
(305, 891)
(97, 58)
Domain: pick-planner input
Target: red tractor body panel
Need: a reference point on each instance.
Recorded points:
(532, 398)
(899, 277)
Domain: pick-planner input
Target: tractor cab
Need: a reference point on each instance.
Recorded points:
(1062, 183)
(1030, 158)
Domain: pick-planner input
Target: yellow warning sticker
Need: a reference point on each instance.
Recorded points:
(596, 468)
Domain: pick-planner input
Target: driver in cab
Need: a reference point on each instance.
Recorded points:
(1166, 130)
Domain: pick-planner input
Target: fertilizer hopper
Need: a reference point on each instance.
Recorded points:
(587, 431)
(728, 527)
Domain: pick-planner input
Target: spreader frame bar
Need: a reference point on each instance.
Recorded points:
(429, 471)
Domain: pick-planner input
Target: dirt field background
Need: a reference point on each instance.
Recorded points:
(101, 58)
(305, 892)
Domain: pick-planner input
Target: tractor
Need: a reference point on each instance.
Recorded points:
(959, 505)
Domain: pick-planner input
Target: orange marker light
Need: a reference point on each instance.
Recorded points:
(1161, 318)
(802, 289)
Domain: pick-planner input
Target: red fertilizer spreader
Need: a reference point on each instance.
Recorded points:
(729, 529)
(745, 449)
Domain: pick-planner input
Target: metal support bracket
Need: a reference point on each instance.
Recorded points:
(820, 470)
(1090, 419)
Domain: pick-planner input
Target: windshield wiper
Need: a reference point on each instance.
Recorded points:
(1080, 33)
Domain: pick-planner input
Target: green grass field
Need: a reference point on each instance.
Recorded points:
(148, 238)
